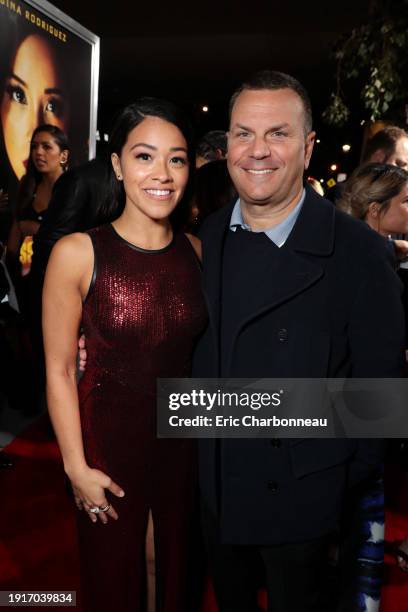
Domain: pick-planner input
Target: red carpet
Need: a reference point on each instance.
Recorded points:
(38, 548)
(37, 532)
(395, 589)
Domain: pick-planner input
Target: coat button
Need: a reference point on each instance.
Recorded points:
(283, 335)
(272, 486)
(276, 443)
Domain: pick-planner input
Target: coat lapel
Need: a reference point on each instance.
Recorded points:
(297, 265)
(313, 232)
(280, 279)
(293, 269)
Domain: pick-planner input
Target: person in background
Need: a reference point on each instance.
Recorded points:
(48, 160)
(34, 86)
(47, 163)
(387, 146)
(213, 189)
(37, 86)
(377, 194)
(210, 147)
(77, 204)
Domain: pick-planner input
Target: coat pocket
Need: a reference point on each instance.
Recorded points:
(309, 455)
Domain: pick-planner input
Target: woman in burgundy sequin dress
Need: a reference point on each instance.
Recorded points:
(135, 288)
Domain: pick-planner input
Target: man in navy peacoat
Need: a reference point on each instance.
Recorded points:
(294, 288)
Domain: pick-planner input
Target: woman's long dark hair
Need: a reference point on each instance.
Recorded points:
(129, 118)
(32, 178)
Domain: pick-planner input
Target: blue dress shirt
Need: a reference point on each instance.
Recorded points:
(278, 233)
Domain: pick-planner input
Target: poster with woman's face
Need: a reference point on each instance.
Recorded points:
(48, 74)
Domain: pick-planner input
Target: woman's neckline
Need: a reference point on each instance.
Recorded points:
(135, 247)
(38, 212)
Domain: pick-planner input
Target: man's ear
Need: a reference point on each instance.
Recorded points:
(116, 166)
(378, 156)
(309, 144)
(228, 134)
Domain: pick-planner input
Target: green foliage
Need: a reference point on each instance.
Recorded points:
(375, 55)
(337, 112)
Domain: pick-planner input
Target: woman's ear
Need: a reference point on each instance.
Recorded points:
(116, 166)
(64, 157)
(374, 209)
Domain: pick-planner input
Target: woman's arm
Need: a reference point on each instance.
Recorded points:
(62, 312)
(66, 283)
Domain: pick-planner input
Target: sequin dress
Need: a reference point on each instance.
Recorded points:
(141, 318)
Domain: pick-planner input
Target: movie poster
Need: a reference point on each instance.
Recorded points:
(49, 67)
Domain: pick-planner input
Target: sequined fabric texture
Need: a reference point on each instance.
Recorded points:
(141, 319)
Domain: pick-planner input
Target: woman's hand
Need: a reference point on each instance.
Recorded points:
(89, 486)
(82, 353)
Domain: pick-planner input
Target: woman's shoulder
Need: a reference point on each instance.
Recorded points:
(71, 263)
(73, 247)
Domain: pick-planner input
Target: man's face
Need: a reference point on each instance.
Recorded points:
(400, 155)
(268, 150)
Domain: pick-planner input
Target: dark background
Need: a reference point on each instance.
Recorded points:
(196, 53)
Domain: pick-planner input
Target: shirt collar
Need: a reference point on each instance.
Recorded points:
(278, 233)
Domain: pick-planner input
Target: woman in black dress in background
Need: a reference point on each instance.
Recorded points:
(135, 287)
(49, 152)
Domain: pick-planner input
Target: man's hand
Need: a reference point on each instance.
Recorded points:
(82, 353)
